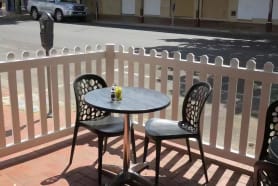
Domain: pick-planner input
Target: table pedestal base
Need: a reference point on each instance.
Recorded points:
(132, 177)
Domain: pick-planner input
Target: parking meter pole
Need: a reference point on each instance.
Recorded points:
(173, 13)
(97, 9)
(46, 33)
(142, 12)
(198, 21)
(49, 114)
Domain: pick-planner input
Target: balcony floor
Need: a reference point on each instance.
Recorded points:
(44, 165)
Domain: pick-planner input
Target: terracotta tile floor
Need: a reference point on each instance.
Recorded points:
(45, 165)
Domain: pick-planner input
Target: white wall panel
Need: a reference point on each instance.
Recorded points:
(252, 9)
(275, 9)
(128, 6)
(152, 7)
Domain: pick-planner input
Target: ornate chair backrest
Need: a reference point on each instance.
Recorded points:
(265, 173)
(271, 128)
(193, 104)
(83, 84)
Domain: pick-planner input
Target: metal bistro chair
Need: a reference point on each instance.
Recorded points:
(102, 123)
(161, 129)
(266, 168)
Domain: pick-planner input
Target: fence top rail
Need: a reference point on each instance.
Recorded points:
(40, 53)
(190, 57)
(66, 55)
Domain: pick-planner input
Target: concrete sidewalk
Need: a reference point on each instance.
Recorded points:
(11, 17)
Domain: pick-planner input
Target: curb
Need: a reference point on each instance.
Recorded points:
(236, 33)
(11, 17)
(189, 30)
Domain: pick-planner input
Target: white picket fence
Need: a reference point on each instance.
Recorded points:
(233, 119)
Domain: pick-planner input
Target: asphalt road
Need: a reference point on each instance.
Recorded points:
(21, 36)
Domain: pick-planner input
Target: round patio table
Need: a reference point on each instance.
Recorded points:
(134, 101)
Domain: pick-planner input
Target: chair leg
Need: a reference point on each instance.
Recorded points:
(73, 143)
(203, 159)
(100, 150)
(146, 143)
(157, 160)
(105, 144)
(255, 175)
(188, 149)
(133, 145)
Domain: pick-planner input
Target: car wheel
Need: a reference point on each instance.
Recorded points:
(58, 15)
(83, 19)
(34, 13)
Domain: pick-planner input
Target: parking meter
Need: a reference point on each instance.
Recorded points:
(46, 31)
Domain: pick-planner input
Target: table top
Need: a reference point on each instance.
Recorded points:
(273, 149)
(134, 100)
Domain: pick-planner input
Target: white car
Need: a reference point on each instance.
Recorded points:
(57, 8)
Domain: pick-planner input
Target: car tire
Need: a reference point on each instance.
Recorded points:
(83, 19)
(34, 13)
(59, 16)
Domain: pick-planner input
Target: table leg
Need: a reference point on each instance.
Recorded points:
(126, 153)
(129, 175)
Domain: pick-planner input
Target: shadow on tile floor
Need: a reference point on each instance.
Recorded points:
(175, 168)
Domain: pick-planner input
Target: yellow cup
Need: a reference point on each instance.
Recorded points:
(118, 93)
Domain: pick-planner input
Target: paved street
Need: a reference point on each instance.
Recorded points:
(21, 36)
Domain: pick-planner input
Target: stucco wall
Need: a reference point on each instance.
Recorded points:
(137, 7)
(91, 4)
(249, 10)
(215, 9)
(110, 7)
(233, 4)
(164, 8)
(184, 8)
